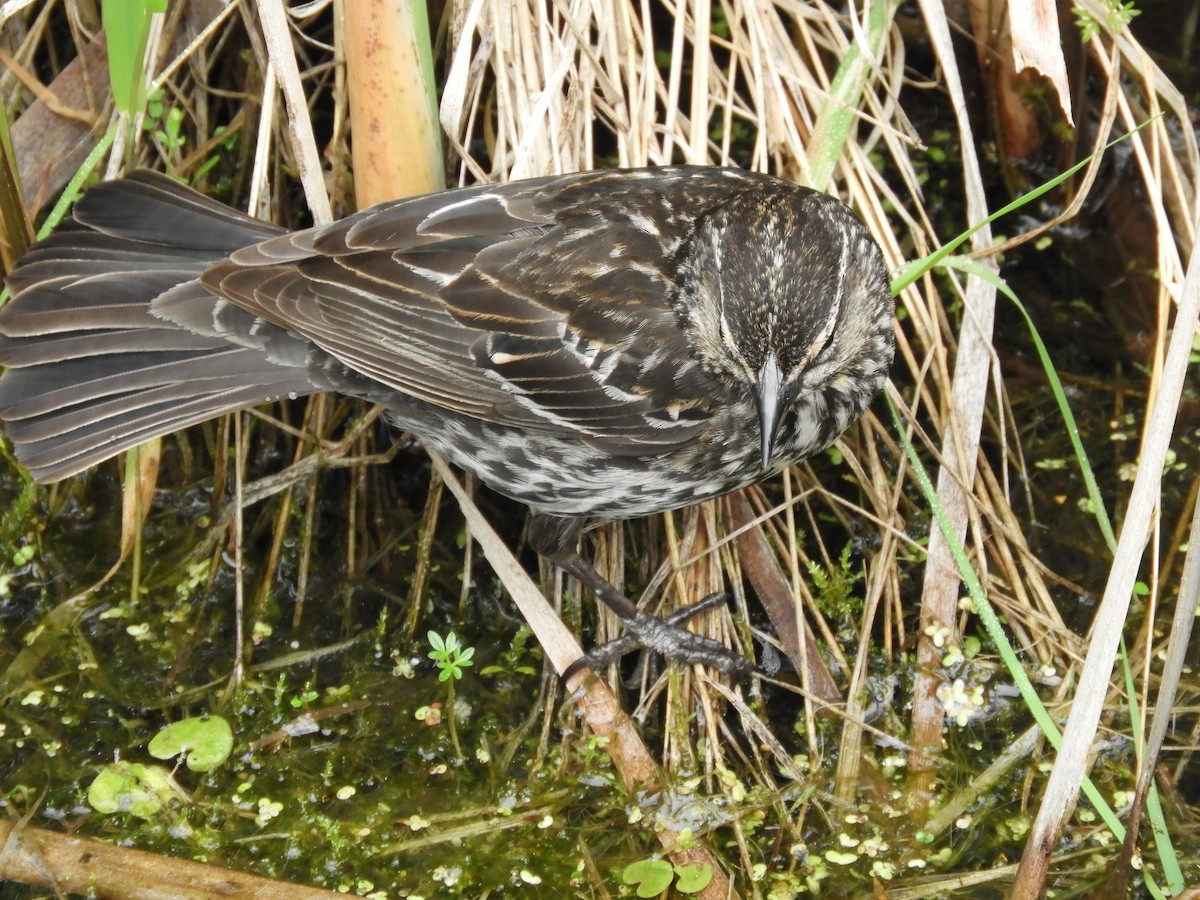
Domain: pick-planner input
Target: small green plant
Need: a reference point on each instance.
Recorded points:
(139, 790)
(653, 876)
(835, 585)
(227, 145)
(145, 791)
(302, 700)
(164, 122)
(451, 657)
(1117, 17)
(513, 661)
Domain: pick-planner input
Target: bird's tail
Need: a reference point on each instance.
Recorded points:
(91, 370)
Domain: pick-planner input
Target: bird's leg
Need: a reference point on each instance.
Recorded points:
(556, 539)
(609, 652)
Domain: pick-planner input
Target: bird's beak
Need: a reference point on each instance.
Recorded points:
(770, 382)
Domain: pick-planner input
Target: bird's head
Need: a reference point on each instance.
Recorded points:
(783, 291)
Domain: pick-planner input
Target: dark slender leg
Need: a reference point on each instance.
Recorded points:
(556, 538)
(611, 651)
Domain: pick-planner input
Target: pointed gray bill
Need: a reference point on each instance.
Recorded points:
(770, 382)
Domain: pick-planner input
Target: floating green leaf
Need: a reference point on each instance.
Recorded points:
(652, 876)
(130, 788)
(206, 742)
(693, 878)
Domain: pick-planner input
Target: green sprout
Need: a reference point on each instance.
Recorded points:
(451, 658)
(1118, 15)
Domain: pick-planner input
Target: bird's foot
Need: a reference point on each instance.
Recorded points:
(669, 638)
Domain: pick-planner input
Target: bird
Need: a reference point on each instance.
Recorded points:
(597, 345)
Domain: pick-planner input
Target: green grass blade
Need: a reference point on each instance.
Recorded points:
(910, 272)
(832, 127)
(75, 186)
(1163, 845)
(71, 192)
(127, 28)
(972, 267)
(991, 622)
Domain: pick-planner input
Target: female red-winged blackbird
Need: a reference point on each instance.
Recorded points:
(606, 344)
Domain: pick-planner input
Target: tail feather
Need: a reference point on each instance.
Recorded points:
(176, 407)
(91, 369)
(94, 415)
(75, 252)
(151, 208)
(48, 390)
(62, 345)
(92, 303)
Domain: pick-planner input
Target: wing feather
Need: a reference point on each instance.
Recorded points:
(543, 305)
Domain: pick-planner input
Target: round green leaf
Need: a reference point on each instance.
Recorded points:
(207, 742)
(693, 878)
(652, 876)
(130, 787)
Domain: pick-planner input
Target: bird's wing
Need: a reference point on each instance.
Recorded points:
(544, 305)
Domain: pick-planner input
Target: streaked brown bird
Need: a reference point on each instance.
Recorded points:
(609, 344)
